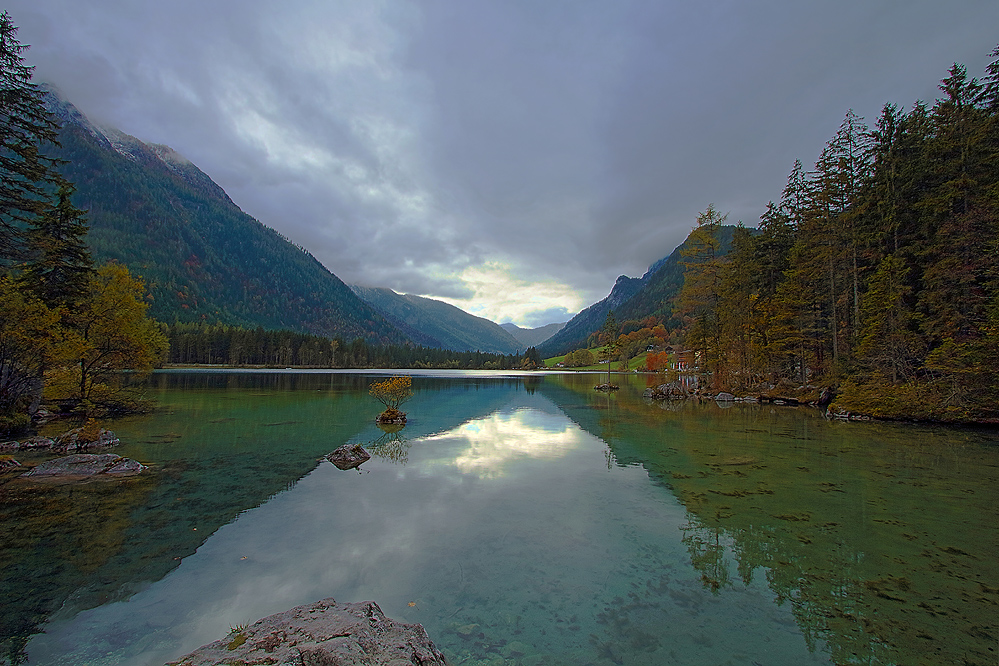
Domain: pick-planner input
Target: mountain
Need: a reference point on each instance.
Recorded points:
(532, 337)
(203, 259)
(438, 324)
(664, 279)
(576, 331)
(631, 298)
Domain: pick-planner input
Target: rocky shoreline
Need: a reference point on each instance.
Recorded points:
(72, 464)
(77, 439)
(675, 391)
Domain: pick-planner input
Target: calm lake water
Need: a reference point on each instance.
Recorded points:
(523, 520)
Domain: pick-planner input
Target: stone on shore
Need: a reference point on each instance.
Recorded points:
(28, 444)
(322, 633)
(77, 439)
(86, 465)
(349, 456)
(82, 438)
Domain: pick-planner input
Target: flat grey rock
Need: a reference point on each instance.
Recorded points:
(86, 465)
(323, 633)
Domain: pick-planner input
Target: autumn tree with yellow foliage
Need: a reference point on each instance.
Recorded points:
(27, 333)
(392, 393)
(108, 334)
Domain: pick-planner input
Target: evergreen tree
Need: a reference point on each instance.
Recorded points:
(59, 265)
(889, 342)
(698, 299)
(839, 174)
(989, 96)
(532, 360)
(795, 198)
(772, 247)
(25, 126)
(959, 212)
(742, 332)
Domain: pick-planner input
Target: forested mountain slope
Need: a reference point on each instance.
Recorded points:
(576, 331)
(203, 259)
(630, 298)
(663, 281)
(438, 324)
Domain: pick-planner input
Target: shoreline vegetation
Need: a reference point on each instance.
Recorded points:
(805, 396)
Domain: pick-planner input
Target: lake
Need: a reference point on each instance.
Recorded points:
(522, 519)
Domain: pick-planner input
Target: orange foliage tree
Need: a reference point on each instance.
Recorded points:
(657, 362)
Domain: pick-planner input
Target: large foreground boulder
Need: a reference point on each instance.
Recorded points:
(323, 633)
(84, 465)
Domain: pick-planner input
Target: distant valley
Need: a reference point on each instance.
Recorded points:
(532, 337)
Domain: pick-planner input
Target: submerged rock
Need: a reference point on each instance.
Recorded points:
(85, 465)
(349, 456)
(323, 632)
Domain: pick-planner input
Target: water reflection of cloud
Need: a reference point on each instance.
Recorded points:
(490, 444)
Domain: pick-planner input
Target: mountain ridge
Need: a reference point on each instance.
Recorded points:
(447, 326)
(202, 257)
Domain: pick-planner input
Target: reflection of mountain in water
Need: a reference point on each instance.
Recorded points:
(881, 537)
(221, 444)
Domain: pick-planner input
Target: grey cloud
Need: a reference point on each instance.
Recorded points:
(575, 140)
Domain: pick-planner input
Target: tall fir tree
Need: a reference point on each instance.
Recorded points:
(26, 174)
(59, 264)
(698, 298)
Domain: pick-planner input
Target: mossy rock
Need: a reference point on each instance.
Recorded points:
(392, 416)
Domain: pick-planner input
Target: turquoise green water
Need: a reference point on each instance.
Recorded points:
(522, 520)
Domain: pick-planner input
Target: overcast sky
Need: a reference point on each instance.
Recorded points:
(512, 157)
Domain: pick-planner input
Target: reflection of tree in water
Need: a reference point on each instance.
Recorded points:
(391, 446)
(708, 554)
(884, 620)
